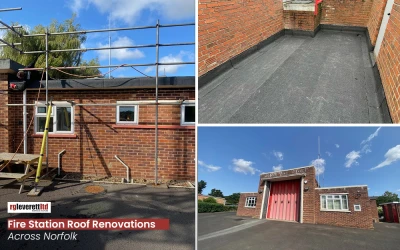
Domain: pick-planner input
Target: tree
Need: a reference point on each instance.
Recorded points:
(201, 185)
(55, 42)
(216, 193)
(387, 197)
(233, 198)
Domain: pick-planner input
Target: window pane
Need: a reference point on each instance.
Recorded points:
(41, 110)
(190, 113)
(323, 202)
(330, 204)
(336, 204)
(41, 122)
(64, 120)
(344, 202)
(126, 113)
(337, 196)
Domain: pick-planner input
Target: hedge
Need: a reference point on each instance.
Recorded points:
(206, 207)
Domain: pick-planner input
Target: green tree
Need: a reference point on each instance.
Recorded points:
(201, 185)
(216, 193)
(387, 197)
(55, 42)
(233, 198)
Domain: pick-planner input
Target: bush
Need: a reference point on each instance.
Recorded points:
(210, 200)
(206, 207)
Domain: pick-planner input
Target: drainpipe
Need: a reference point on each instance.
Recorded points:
(59, 161)
(126, 166)
(24, 123)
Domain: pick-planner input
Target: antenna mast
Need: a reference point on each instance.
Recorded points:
(319, 155)
(109, 43)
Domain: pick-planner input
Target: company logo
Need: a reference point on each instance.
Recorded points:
(28, 207)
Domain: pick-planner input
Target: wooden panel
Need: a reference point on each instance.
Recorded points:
(19, 157)
(11, 175)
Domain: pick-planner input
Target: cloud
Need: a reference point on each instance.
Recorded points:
(329, 153)
(172, 69)
(278, 155)
(371, 136)
(130, 11)
(319, 165)
(398, 190)
(243, 166)
(120, 54)
(209, 168)
(366, 148)
(392, 155)
(352, 158)
(337, 145)
(277, 168)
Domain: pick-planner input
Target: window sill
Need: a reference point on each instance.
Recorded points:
(71, 136)
(249, 207)
(125, 126)
(341, 211)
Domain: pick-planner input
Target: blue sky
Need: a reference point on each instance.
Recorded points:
(232, 158)
(95, 14)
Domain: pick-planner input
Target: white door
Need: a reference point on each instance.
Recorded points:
(385, 20)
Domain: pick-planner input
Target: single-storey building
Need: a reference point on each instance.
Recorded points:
(295, 195)
(95, 120)
(391, 211)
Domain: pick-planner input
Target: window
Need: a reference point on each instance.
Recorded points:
(251, 202)
(357, 207)
(188, 113)
(127, 113)
(61, 119)
(334, 202)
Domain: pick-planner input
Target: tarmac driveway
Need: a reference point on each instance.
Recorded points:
(70, 200)
(267, 234)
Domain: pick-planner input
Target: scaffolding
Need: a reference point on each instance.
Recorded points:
(157, 63)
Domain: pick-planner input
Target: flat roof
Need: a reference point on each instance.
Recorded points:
(342, 187)
(387, 203)
(298, 79)
(9, 66)
(115, 83)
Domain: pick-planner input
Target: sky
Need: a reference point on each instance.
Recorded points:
(232, 158)
(98, 14)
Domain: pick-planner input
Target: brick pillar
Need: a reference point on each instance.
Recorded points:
(4, 127)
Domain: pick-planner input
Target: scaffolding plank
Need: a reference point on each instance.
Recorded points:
(18, 157)
(11, 175)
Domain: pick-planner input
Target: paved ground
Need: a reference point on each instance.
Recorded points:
(69, 200)
(297, 79)
(289, 235)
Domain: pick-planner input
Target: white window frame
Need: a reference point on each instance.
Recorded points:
(357, 209)
(128, 104)
(341, 202)
(187, 104)
(54, 106)
(250, 200)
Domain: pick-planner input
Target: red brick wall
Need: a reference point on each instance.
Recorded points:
(246, 211)
(227, 28)
(4, 133)
(374, 210)
(98, 139)
(309, 196)
(375, 19)
(346, 12)
(389, 63)
(300, 20)
(356, 195)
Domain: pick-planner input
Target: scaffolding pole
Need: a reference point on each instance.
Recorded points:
(14, 26)
(11, 28)
(156, 122)
(145, 103)
(10, 9)
(110, 66)
(108, 30)
(11, 45)
(107, 48)
(47, 92)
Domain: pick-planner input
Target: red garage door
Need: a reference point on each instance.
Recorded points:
(284, 200)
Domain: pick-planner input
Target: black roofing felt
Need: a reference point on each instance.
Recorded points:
(10, 64)
(101, 83)
(299, 79)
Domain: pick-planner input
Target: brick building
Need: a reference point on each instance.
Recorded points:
(294, 195)
(122, 123)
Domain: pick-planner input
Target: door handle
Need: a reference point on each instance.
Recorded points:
(288, 201)
(281, 201)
